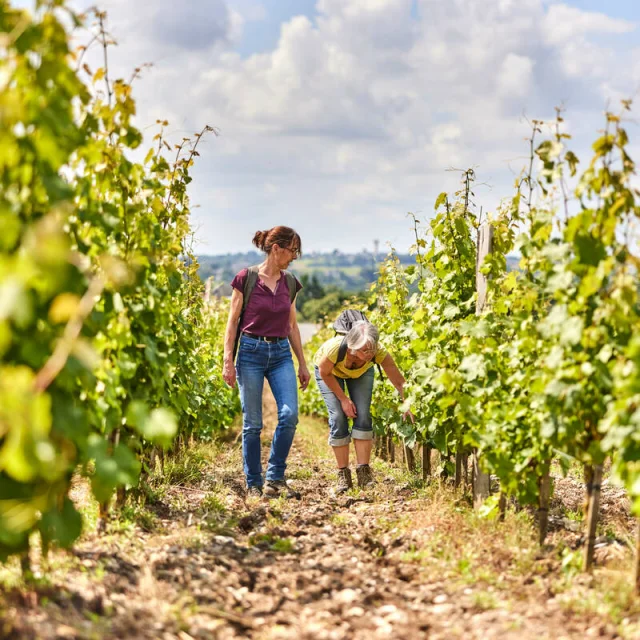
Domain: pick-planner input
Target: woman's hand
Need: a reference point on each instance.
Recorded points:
(407, 416)
(349, 408)
(229, 373)
(304, 376)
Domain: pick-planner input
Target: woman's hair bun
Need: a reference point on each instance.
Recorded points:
(260, 238)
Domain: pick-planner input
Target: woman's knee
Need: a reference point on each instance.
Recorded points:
(288, 416)
(338, 422)
(339, 430)
(363, 421)
(250, 429)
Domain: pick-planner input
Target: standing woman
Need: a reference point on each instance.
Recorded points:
(267, 329)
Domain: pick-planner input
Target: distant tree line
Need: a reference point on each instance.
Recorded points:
(335, 271)
(315, 301)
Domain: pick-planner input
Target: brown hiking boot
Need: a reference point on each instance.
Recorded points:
(344, 481)
(277, 488)
(364, 475)
(254, 492)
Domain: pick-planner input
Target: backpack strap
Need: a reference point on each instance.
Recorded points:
(342, 350)
(292, 284)
(249, 286)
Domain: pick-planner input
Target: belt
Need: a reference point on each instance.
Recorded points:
(263, 338)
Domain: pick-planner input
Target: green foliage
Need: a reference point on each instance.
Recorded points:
(107, 347)
(326, 306)
(551, 368)
(310, 401)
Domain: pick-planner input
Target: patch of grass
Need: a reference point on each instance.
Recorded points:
(274, 519)
(10, 574)
(224, 527)
(339, 520)
(153, 494)
(147, 520)
(90, 512)
(400, 476)
(120, 525)
(195, 542)
(485, 600)
(576, 516)
(301, 474)
(314, 433)
(218, 518)
(272, 542)
(609, 595)
(450, 538)
(415, 554)
(131, 516)
(185, 468)
(571, 562)
(277, 507)
(283, 545)
(212, 503)
(259, 538)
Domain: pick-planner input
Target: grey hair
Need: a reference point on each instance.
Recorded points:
(363, 334)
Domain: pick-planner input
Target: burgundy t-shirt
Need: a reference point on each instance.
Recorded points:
(267, 313)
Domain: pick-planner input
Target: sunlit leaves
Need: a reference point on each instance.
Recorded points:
(553, 369)
(94, 287)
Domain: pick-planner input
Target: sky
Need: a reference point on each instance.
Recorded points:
(337, 117)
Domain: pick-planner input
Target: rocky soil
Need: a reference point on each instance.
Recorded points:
(395, 561)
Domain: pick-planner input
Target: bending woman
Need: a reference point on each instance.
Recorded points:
(268, 331)
(356, 373)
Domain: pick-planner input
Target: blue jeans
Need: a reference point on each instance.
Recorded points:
(360, 391)
(256, 361)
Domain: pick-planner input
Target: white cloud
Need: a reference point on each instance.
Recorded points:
(563, 23)
(357, 114)
(515, 76)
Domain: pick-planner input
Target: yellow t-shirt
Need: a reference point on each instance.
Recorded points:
(330, 349)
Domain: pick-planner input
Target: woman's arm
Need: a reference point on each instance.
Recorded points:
(296, 345)
(228, 370)
(397, 380)
(393, 373)
(326, 367)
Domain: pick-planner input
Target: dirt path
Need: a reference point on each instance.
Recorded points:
(389, 563)
(307, 330)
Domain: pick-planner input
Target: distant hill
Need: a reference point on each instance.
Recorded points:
(347, 271)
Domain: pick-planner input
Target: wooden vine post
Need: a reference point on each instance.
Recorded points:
(409, 458)
(544, 495)
(391, 449)
(637, 567)
(458, 477)
(381, 447)
(426, 462)
(592, 516)
(481, 485)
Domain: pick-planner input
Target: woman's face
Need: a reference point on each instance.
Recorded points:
(363, 355)
(284, 255)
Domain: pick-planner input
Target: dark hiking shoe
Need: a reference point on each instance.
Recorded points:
(254, 492)
(364, 475)
(344, 481)
(277, 488)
